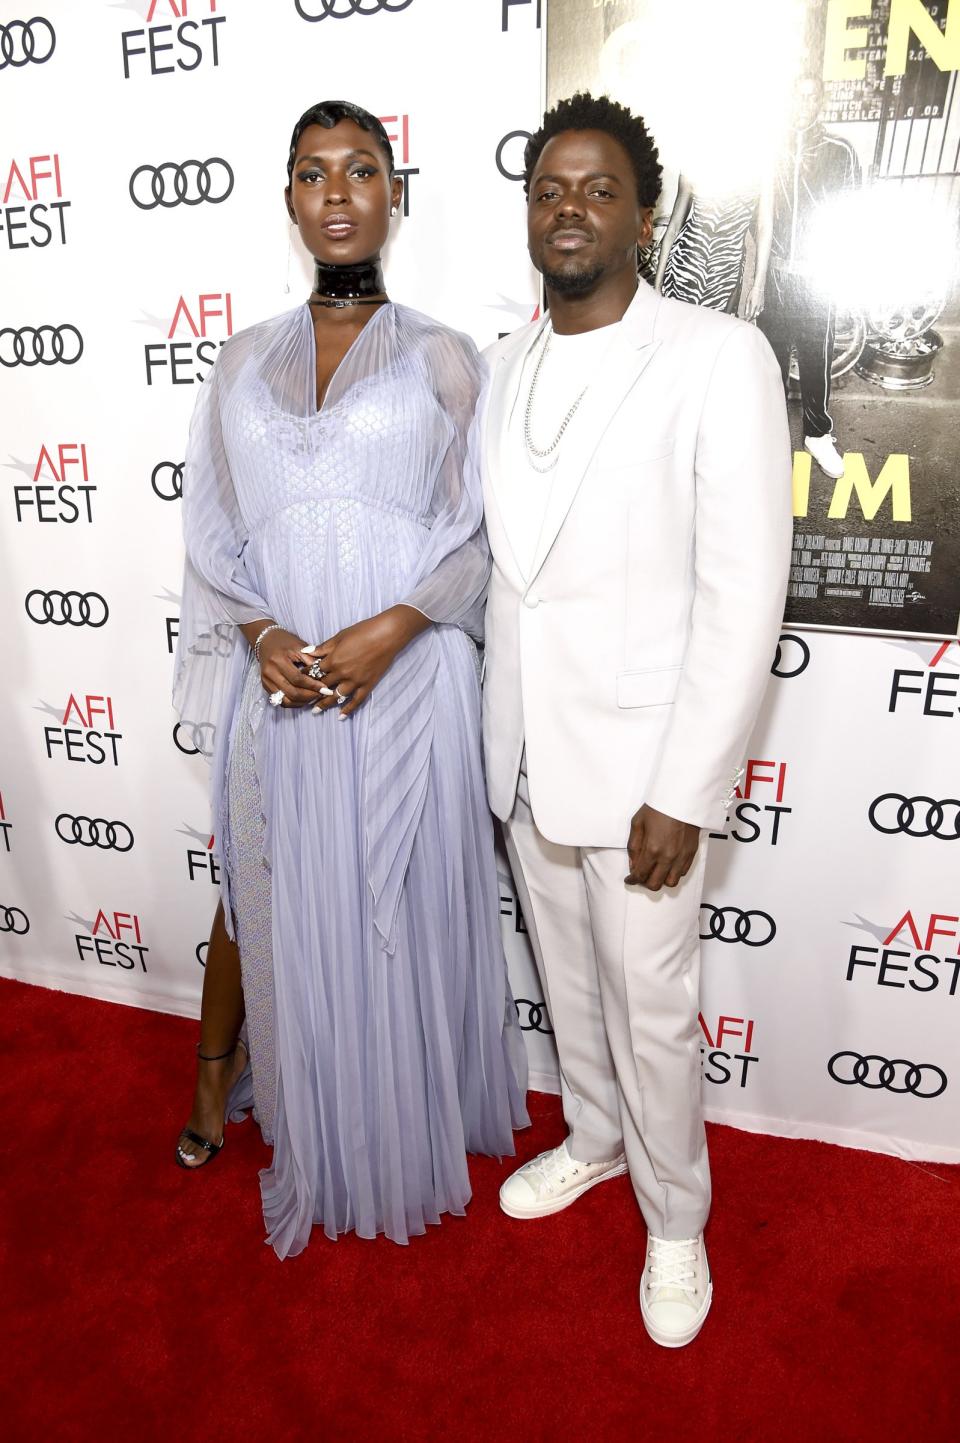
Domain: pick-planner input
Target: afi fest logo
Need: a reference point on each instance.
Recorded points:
(5, 827)
(398, 134)
(164, 47)
(760, 819)
(509, 902)
(202, 860)
(727, 1055)
(86, 731)
(177, 360)
(37, 215)
(314, 10)
(920, 953)
(60, 488)
(112, 939)
(218, 641)
(929, 692)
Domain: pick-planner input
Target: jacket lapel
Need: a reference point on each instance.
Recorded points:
(504, 379)
(630, 352)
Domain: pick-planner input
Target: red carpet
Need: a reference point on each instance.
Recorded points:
(140, 1303)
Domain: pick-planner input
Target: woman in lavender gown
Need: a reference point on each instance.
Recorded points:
(332, 519)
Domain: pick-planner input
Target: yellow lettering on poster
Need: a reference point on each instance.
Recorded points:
(893, 480)
(801, 482)
(838, 39)
(911, 16)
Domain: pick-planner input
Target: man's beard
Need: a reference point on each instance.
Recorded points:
(574, 282)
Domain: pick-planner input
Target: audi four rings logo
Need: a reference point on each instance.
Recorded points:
(23, 42)
(166, 478)
(920, 1079)
(536, 1013)
(189, 182)
(200, 737)
(793, 657)
(893, 813)
(13, 920)
(729, 924)
(313, 10)
(93, 832)
(40, 346)
(66, 608)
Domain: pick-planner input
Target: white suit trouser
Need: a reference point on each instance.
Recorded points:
(620, 969)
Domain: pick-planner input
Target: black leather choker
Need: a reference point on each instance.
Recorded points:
(359, 285)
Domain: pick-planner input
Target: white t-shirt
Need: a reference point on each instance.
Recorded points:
(570, 364)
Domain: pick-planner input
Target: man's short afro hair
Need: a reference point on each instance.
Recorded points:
(584, 111)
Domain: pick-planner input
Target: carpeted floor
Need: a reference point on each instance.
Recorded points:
(139, 1302)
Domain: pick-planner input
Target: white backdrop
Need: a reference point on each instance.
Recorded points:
(832, 1014)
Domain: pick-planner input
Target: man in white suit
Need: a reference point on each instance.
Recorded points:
(636, 468)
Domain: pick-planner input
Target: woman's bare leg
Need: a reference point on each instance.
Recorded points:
(221, 1017)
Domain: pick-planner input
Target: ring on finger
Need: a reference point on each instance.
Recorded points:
(276, 698)
(341, 696)
(315, 671)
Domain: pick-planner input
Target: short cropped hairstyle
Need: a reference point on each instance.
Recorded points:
(584, 111)
(328, 114)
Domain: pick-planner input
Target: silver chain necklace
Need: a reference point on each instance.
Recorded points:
(545, 458)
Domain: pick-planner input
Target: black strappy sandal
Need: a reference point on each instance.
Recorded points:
(210, 1148)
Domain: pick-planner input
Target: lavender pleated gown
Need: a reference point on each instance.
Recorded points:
(358, 853)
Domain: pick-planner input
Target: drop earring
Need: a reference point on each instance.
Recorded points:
(393, 210)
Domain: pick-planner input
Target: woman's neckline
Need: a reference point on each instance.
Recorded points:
(316, 410)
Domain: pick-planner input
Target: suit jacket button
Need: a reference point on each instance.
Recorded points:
(531, 599)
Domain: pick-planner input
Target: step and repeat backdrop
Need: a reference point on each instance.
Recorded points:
(141, 223)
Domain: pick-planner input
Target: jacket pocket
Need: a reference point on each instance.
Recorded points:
(652, 687)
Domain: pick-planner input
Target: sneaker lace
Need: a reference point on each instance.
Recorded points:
(673, 1264)
(555, 1167)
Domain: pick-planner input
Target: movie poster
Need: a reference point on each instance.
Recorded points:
(811, 153)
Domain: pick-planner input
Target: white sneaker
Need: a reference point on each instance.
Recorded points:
(824, 451)
(675, 1290)
(551, 1182)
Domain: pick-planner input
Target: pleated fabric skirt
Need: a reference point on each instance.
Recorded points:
(373, 1071)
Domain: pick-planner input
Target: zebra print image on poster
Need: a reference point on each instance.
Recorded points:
(811, 154)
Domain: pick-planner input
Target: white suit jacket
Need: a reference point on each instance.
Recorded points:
(632, 660)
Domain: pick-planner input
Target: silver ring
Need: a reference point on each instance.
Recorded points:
(340, 694)
(276, 698)
(315, 671)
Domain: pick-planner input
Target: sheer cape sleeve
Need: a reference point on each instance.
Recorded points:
(217, 595)
(451, 580)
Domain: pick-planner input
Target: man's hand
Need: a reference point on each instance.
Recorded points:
(661, 849)
(356, 658)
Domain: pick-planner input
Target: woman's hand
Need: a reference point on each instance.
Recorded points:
(755, 299)
(279, 653)
(356, 658)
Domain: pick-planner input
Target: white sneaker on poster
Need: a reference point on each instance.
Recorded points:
(824, 451)
(676, 1290)
(551, 1182)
